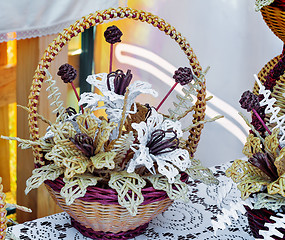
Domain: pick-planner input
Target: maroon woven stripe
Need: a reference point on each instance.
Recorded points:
(88, 232)
(256, 220)
(110, 196)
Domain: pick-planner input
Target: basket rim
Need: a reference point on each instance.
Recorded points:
(109, 196)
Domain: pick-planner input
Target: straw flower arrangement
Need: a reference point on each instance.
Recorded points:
(132, 147)
(261, 177)
(131, 150)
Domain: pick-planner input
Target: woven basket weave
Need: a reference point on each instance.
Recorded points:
(278, 89)
(275, 20)
(85, 212)
(258, 217)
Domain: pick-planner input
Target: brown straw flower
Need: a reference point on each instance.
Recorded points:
(265, 164)
(249, 101)
(183, 75)
(84, 143)
(113, 34)
(67, 73)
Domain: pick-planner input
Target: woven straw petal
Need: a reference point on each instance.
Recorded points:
(39, 175)
(198, 172)
(262, 3)
(252, 146)
(87, 123)
(167, 169)
(77, 186)
(175, 190)
(62, 132)
(269, 201)
(280, 162)
(242, 170)
(75, 165)
(179, 158)
(251, 185)
(277, 186)
(271, 143)
(141, 158)
(128, 187)
(104, 160)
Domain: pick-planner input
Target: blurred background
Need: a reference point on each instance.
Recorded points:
(226, 35)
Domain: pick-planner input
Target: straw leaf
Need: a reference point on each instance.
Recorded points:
(77, 186)
(128, 187)
(175, 190)
(39, 175)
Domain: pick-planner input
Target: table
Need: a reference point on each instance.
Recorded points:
(181, 221)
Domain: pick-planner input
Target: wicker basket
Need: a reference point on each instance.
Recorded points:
(103, 219)
(278, 89)
(275, 20)
(258, 217)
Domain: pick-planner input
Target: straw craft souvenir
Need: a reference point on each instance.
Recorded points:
(274, 16)
(112, 174)
(261, 177)
(273, 13)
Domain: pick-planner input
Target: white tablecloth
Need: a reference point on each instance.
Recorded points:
(181, 221)
(30, 18)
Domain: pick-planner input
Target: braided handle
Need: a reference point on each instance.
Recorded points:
(3, 212)
(97, 18)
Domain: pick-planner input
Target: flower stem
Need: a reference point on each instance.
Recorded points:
(166, 96)
(111, 57)
(77, 96)
(263, 124)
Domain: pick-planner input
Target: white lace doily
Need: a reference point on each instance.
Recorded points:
(181, 221)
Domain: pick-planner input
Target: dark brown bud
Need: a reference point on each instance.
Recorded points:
(67, 73)
(249, 101)
(113, 34)
(183, 75)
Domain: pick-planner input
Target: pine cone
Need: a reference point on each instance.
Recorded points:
(113, 34)
(67, 73)
(249, 101)
(183, 75)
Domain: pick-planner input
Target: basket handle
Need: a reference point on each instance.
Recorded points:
(97, 18)
(3, 212)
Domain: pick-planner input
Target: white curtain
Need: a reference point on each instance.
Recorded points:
(31, 18)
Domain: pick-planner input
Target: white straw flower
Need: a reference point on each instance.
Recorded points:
(158, 142)
(113, 87)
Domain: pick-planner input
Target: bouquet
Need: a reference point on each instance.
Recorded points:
(131, 149)
(260, 178)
